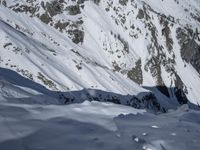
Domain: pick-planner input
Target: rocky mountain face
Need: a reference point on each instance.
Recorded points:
(148, 50)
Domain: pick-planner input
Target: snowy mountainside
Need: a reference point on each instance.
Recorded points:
(16, 89)
(125, 47)
(91, 54)
(31, 117)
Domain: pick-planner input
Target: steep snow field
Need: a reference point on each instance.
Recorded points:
(114, 46)
(60, 68)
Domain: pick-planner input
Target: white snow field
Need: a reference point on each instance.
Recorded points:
(38, 42)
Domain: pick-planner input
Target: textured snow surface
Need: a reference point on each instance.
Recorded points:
(95, 126)
(31, 118)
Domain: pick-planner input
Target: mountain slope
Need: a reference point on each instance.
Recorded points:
(123, 47)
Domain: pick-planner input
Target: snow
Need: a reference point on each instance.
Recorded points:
(99, 50)
(155, 127)
(41, 59)
(31, 119)
(95, 125)
(31, 116)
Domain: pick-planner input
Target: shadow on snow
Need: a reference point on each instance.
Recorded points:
(156, 99)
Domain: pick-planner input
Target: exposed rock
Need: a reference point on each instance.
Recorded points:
(46, 81)
(77, 35)
(140, 14)
(26, 9)
(96, 1)
(190, 50)
(135, 73)
(54, 8)
(116, 66)
(180, 90)
(123, 2)
(45, 18)
(125, 44)
(150, 101)
(61, 26)
(73, 10)
(166, 33)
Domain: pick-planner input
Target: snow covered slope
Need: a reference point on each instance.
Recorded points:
(96, 126)
(31, 117)
(16, 89)
(126, 47)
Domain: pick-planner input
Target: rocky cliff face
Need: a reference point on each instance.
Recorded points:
(123, 46)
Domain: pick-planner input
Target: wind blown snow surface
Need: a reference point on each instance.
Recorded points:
(96, 126)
